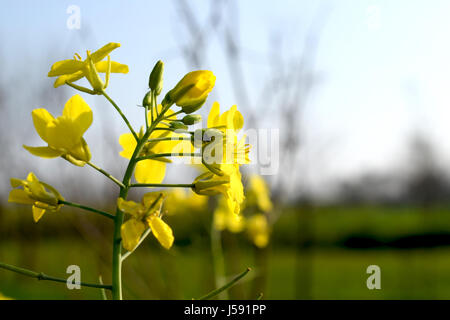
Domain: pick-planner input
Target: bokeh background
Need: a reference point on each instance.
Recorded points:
(357, 89)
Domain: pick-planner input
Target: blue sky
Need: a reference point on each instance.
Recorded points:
(383, 65)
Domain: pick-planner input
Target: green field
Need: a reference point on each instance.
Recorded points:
(186, 274)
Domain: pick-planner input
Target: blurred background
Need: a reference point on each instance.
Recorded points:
(357, 90)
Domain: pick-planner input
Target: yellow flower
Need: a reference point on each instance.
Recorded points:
(64, 135)
(224, 218)
(191, 92)
(39, 194)
(143, 215)
(153, 170)
(74, 69)
(184, 200)
(258, 194)
(229, 184)
(258, 229)
(230, 123)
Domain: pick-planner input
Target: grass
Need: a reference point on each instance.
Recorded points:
(186, 273)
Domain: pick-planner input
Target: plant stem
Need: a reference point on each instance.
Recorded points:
(162, 155)
(43, 276)
(108, 175)
(118, 220)
(162, 185)
(218, 260)
(121, 114)
(169, 139)
(80, 206)
(225, 287)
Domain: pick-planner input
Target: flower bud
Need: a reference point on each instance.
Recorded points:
(155, 81)
(191, 119)
(208, 187)
(147, 101)
(178, 125)
(191, 92)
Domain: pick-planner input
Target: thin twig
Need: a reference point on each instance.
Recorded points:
(225, 287)
(43, 276)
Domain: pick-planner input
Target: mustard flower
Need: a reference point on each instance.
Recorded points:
(191, 91)
(258, 230)
(229, 184)
(37, 193)
(180, 200)
(230, 123)
(64, 135)
(145, 214)
(72, 70)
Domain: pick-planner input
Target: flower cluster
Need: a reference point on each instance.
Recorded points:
(166, 134)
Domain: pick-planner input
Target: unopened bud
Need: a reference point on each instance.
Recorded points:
(155, 81)
(191, 119)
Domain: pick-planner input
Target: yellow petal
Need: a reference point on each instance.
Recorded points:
(116, 67)
(41, 119)
(68, 78)
(161, 231)
(104, 51)
(131, 232)
(63, 133)
(19, 196)
(128, 143)
(149, 199)
(213, 117)
(150, 171)
(37, 213)
(130, 207)
(44, 152)
(65, 67)
(238, 121)
(79, 112)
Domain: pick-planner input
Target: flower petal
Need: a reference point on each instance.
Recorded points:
(19, 196)
(104, 51)
(131, 232)
(65, 67)
(128, 143)
(79, 112)
(41, 119)
(213, 117)
(161, 231)
(37, 213)
(150, 171)
(43, 152)
(130, 207)
(116, 67)
(68, 78)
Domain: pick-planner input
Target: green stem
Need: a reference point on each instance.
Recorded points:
(117, 239)
(121, 114)
(80, 206)
(173, 115)
(218, 260)
(108, 175)
(162, 185)
(43, 276)
(163, 155)
(225, 287)
(169, 139)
